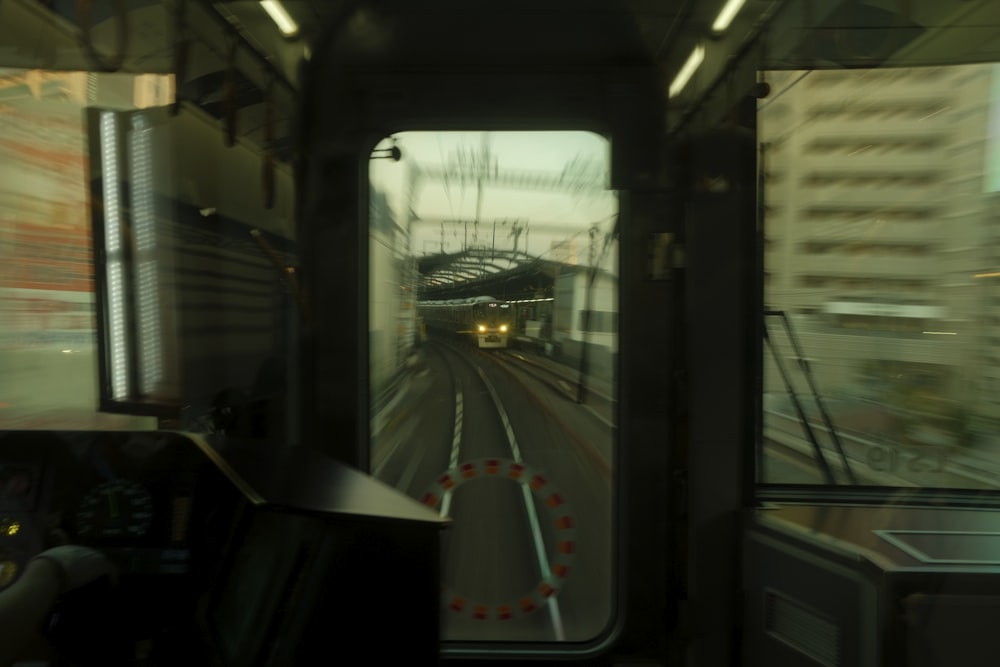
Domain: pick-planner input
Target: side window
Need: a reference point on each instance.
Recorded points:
(882, 273)
(493, 274)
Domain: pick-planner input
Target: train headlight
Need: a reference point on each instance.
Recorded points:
(482, 328)
(503, 328)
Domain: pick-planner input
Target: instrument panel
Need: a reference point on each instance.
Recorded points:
(129, 494)
(116, 508)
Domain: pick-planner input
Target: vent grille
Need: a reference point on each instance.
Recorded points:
(802, 628)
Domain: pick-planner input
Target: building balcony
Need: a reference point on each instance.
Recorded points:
(870, 230)
(990, 371)
(863, 265)
(848, 347)
(875, 195)
(871, 161)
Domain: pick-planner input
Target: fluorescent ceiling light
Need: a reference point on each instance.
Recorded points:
(726, 16)
(687, 71)
(278, 13)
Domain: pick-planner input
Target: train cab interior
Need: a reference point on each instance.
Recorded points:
(743, 409)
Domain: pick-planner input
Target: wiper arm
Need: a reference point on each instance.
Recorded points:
(817, 450)
(807, 371)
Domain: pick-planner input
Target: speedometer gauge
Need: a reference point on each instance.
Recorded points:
(120, 508)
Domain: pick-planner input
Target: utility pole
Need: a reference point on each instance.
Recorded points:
(593, 247)
(480, 172)
(516, 233)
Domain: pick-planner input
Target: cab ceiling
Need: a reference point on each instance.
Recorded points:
(200, 39)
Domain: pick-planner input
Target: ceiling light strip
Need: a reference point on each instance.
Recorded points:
(687, 71)
(727, 14)
(286, 24)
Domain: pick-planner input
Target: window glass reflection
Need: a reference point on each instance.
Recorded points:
(493, 321)
(48, 350)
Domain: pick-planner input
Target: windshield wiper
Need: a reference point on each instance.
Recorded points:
(804, 365)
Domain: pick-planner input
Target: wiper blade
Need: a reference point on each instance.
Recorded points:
(804, 365)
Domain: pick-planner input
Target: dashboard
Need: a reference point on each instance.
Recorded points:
(128, 494)
(226, 550)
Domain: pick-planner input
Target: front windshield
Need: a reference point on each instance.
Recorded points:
(881, 361)
(493, 342)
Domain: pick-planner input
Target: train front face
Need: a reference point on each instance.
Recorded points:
(492, 322)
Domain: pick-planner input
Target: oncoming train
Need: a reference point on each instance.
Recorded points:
(486, 320)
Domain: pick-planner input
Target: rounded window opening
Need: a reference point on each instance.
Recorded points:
(493, 318)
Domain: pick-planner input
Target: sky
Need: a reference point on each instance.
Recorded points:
(543, 216)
